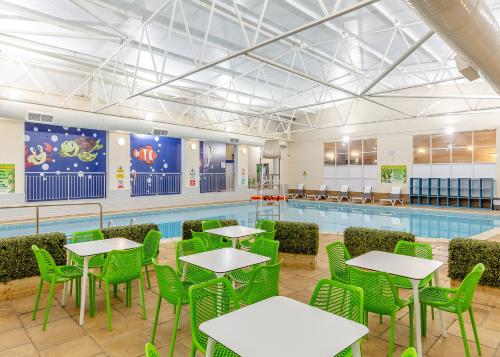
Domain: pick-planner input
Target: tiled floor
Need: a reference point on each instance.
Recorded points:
(20, 336)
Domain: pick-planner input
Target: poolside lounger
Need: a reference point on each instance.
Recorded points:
(344, 193)
(321, 194)
(300, 192)
(394, 197)
(366, 195)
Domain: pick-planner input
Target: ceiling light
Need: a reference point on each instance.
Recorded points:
(421, 150)
(148, 116)
(244, 150)
(121, 141)
(14, 94)
(193, 146)
(346, 139)
(449, 131)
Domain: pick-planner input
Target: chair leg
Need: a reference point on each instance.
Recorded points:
(37, 301)
(474, 328)
(49, 305)
(92, 295)
(147, 276)
(108, 305)
(143, 302)
(193, 351)
(176, 326)
(380, 319)
(71, 287)
(391, 335)
(423, 317)
(78, 291)
(155, 322)
(115, 290)
(412, 326)
(464, 335)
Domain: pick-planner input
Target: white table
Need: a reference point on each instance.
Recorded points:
(235, 233)
(222, 261)
(280, 326)
(409, 267)
(87, 250)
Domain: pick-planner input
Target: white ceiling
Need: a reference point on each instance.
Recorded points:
(226, 63)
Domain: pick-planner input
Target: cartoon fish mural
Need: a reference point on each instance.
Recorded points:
(83, 147)
(146, 154)
(37, 156)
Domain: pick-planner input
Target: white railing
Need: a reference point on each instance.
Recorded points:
(149, 184)
(216, 182)
(51, 186)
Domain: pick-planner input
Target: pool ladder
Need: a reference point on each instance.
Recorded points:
(111, 223)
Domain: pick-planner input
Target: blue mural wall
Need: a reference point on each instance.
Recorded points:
(212, 166)
(52, 148)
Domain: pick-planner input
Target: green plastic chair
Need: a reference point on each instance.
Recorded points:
(172, 290)
(151, 249)
(88, 236)
(210, 224)
(211, 241)
(265, 247)
(339, 299)
(194, 274)
(53, 274)
(207, 301)
(120, 267)
(410, 352)
(265, 224)
(456, 301)
(151, 350)
(247, 243)
(337, 256)
(381, 297)
(412, 249)
(263, 284)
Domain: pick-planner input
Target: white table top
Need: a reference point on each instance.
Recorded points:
(235, 231)
(224, 260)
(280, 326)
(396, 264)
(95, 247)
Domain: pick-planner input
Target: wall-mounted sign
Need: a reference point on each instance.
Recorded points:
(120, 177)
(243, 177)
(7, 178)
(393, 173)
(193, 178)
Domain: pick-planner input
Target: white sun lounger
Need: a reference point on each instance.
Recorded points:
(321, 194)
(344, 193)
(394, 196)
(300, 192)
(366, 195)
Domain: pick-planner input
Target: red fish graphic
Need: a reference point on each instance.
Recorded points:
(147, 154)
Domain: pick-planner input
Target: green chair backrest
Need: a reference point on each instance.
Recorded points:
(210, 224)
(151, 350)
(339, 299)
(337, 255)
(409, 352)
(465, 291)
(380, 293)
(263, 283)
(151, 245)
(122, 266)
(267, 248)
(266, 235)
(45, 262)
(187, 247)
(86, 236)
(169, 283)
(207, 301)
(265, 224)
(413, 249)
(205, 237)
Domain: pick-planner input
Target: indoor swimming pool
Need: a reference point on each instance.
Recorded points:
(331, 217)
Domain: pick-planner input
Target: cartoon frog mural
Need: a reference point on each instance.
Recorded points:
(39, 155)
(84, 147)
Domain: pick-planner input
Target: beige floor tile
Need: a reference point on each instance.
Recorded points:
(57, 332)
(9, 322)
(13, 338)
(27, 350)
(56, 313)
(80, 347)
(487, 337)
(453, 346)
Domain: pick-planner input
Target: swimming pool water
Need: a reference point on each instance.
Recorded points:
(331, 217)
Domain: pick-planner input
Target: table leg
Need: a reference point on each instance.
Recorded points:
(68, 261)
(416, 306)
(184, 272)
(356, 349)
(441, 320)
(83, 291)
(210, 347)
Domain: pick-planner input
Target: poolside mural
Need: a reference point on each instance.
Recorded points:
(64, 163)
(393, 173)
(155, 165)
(212, 166)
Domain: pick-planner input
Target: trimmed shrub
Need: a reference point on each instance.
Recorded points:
(136, 232)
(298, 237)
(465, 253)
(359, 241)
(17, 260)
(195, 225)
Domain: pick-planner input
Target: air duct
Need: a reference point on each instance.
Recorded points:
(470, 29)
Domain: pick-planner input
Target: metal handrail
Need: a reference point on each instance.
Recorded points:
(37, 210)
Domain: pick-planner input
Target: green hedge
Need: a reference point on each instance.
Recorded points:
(136, 232)
(464, 253)
(298, 237)
(17, 260)
(195, 225)
(359, 241)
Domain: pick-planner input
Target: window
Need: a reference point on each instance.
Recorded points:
(459, 148)
(355, 152)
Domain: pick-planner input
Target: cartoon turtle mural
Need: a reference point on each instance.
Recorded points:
(84, 147)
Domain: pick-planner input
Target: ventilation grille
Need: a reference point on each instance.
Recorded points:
(234, 140)
(283, 146)
(39, 117)
(161, 132)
